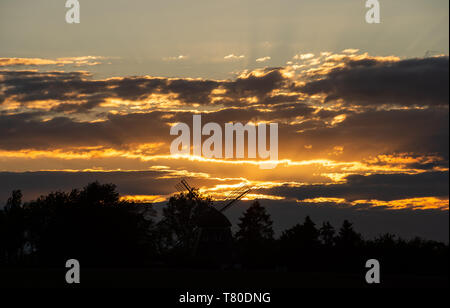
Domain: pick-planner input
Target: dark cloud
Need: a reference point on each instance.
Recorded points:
(136, 88)
(369, 82)
(385, 187)
(421, 82)
(366, 131)
(34, 184)
(253, 85)
(192, 91)
(78, 92)
(66, 87)
(369, 133)
(422, 131)
(28, 131)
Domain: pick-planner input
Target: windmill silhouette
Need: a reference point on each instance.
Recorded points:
(212, 233)
(233, 196)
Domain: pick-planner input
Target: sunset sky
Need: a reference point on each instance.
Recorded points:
(362, 109)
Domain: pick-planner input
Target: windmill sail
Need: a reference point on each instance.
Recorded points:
(235, 195)
(183, 185)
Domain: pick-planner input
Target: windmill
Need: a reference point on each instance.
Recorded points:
(233, 196)
(212, 228)
(184, 185)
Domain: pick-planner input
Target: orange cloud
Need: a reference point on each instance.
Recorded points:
(76, 61)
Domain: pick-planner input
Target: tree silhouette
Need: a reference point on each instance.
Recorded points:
(13, 228)
(177, 228)
(327, 234)
(300, 244)
(255, 225)
(15, 201)
(348, 238)
(255, 237)
(305, 236)
(350, 250)
(91, 225)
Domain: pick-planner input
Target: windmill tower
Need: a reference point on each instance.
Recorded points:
(213, 236)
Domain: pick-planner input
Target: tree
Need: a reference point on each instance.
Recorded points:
(255, 237)
(177, 228)
(327, 234)
(255, 225)
(15, 201)
(92, 225)
(13, 228)
(348, 237)
(304, 236)
(3, 237)
(300, 245)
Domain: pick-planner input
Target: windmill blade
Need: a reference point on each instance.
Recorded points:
(180, 187)
(183, 185)
(236, 195)
(236, 192)
(186, 185)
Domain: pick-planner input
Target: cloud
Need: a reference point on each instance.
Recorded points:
(72, 119)
(384, 187)
(255, 84)
(78, 92)
(233, 57)
(350, 80)
(372, 131)
(176, 58)
(29, 131)
(129, 183)
(76, 61)
(253, 96)
(304, 56)
(263, 59)
(350, 50)
(371, 82)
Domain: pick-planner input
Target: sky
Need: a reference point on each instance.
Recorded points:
(362, 109)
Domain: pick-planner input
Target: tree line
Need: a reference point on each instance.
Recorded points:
(95, 226)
